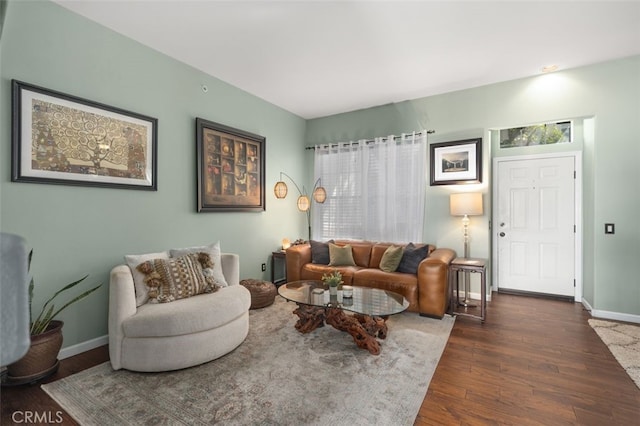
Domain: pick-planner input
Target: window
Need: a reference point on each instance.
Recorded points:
(375, 189)
(538, 134)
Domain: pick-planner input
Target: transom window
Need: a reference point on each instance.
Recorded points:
(537, 134)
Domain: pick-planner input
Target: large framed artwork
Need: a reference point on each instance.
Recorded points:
(230, 168)
(63, 139)
(457, 162)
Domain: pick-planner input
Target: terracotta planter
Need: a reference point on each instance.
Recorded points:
(41, 359)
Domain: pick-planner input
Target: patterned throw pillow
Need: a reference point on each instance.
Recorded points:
(133, 260)
(179, 277)
(214, 251)
(411, 258)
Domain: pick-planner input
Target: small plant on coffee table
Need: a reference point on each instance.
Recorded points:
(333, 279)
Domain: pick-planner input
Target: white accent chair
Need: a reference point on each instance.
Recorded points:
(180, 334)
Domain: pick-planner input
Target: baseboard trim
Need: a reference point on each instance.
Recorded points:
(535, 294)
(83, 347)
(616, 316)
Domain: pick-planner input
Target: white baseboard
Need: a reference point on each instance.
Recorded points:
(616, 316)
(83, 347)
(586, 305)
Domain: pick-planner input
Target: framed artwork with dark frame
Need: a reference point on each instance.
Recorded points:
(230, 168)
(457, 162)
(63, 139)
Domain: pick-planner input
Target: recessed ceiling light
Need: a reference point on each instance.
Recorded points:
(550, 68)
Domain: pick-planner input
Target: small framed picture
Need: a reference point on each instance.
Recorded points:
(457, 162)
(62, 139)
(230, 168)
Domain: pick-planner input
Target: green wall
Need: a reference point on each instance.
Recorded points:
(76, 230)
(608, 92)
(80, 230)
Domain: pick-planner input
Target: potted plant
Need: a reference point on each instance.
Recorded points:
(333, 280)
(41, 360)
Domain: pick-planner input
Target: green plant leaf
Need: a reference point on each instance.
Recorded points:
(48, 312)
(40, 324)
(75, 299)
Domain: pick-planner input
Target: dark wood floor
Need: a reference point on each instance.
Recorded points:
(533, 361)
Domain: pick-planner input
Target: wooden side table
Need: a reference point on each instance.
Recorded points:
(467, 265)
(279, 262)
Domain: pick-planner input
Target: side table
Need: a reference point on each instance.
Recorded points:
(461, 264)
(278, 267)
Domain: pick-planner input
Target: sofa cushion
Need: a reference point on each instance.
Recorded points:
(178, 278)
(320, 252)
(187, 316)
(134, 260)
(311, 271)
(391, 258)
(361, 251)
(411, 258)
(215, 253)
(404, 284)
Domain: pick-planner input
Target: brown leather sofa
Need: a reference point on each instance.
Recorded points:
(427, 291)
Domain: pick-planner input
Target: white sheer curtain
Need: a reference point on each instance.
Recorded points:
(375, 189)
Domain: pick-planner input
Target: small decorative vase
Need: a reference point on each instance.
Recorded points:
(333, 290)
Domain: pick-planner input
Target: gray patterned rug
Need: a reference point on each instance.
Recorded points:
(623, 340)
(276, 377)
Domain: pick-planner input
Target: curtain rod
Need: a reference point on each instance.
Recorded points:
(368, 141)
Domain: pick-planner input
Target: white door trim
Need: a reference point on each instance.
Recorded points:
(577, 155)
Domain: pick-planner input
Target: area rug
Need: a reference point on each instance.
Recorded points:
(276, 377)
(623, 340)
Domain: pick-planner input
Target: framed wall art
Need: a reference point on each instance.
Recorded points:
(63, 139)
(457, 162)
(230, 168)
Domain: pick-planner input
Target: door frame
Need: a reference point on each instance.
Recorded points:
(577, 215)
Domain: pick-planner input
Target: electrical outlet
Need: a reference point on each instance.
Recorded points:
(264, 267)
(609, 228)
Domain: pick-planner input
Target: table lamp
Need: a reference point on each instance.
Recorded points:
(466, 204)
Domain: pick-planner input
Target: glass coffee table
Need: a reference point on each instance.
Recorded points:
(371, 308)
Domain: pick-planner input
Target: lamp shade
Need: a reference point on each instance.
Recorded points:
(303, 203)
(280, 189)
(320, 195)
(468, 203)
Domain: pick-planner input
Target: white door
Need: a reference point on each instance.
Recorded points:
(535, 229)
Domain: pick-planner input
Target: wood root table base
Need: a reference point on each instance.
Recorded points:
(363, 328)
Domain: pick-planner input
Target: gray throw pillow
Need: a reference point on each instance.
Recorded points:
(320, 252)
(411, 258)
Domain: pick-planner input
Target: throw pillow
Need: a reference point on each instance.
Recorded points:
(179, 277)
(340, 256)
(134, 260)
(320, 252)
(411, 258)
(214, 252)
(391, 259)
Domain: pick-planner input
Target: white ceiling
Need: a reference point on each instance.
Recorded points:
(318, 58)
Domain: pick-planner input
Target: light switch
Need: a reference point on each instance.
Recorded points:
(609, 228)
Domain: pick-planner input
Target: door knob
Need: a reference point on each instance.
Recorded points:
(502, 234)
